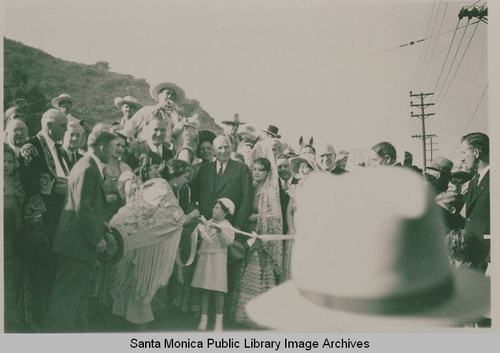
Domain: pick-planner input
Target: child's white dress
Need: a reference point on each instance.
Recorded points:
(211, 268)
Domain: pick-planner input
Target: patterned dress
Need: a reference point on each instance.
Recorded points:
(151, 225)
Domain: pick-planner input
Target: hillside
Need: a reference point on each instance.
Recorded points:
(34, 76)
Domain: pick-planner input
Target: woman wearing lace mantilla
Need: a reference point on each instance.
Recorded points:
(262, 265)
(151, 225)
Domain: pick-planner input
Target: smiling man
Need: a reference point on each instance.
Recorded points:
(168, 95)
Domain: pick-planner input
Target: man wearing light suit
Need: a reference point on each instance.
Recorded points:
(80, 234)
(476, 155)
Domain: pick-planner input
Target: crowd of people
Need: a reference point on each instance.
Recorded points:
(151, 212)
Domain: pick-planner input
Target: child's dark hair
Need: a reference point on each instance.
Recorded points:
(465, 248)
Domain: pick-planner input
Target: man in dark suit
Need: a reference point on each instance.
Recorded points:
(80, 234)
(224, 178)
(285, 181)
(476, 155)
(73, 141)
(44, 180)
(155, 133)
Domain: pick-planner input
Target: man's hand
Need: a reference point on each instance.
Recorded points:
(111, 198)
(101, 246)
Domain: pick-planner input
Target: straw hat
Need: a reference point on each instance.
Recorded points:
(119, 101)
(179, 92)
(235, 121)
(62, 97)
(374, 262)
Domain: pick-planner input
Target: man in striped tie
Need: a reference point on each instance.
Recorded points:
(73, 141)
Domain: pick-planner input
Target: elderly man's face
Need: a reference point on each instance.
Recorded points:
(284, 170)
(73, 138)
(327, 160)
(17, 133)
(57, 128)
(222, 149)
(66, 106)
(157, 131)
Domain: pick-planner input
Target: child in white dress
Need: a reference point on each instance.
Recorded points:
(211, 269)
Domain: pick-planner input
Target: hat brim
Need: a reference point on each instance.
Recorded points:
(283, 308)
(272, 133)
(180, 96)
(119, 103)
(295, 163)
(112, 259)
(228, 122)
(57, 100)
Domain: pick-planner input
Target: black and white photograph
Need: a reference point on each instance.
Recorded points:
(247, 167)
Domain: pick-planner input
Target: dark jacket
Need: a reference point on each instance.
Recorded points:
(236, 185)
(477, 208)
(81, 226)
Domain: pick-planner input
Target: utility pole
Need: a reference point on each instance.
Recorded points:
(429, 145)
(422, 116)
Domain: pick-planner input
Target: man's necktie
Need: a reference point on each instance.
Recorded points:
(61, 159)
(218, 177)
(285, 185)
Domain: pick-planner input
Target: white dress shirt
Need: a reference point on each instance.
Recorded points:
(156, 149)
(223, 165)
(482, 173)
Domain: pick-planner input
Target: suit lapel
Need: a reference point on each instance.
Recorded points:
(211, 177)
(228, 173)
(48, 155)
(479, 189)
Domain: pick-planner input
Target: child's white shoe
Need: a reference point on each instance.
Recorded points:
(218, 323)
(203, 323)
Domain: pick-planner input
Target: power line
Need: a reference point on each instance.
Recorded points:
(446, 57)
(456, 70)
(423, 49)
(434, 46)
(477, 107)
(405, 44)
(451, 65)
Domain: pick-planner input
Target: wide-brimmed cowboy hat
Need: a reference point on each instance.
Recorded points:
(296, 161)
(179, 92)
(119, 101)
(114, 247)
(62, 97)
(235, 121)
(273, 131)
(441, 164)
(374, 262)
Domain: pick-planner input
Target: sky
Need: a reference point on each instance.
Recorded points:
(303, 66)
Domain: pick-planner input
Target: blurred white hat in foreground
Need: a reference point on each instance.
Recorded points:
(370, 256)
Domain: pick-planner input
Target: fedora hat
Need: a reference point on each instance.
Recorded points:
(272, 130)
(119, 101)
(62, 97)
(114, 248)
(441, 164)
(179, 92)
(235, 121)
(385, 269)
(206, 135)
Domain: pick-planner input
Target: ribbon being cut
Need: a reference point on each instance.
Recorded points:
(200, 231)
